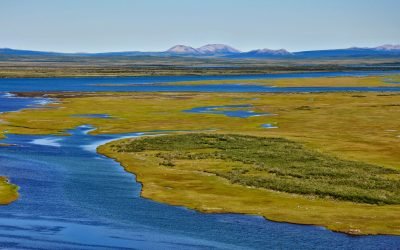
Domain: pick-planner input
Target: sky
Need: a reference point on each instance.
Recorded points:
(156, 25)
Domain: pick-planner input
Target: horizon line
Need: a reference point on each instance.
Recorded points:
(161, 51)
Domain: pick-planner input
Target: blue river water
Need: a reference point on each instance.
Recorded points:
(10, 102)
(73, 198)
(157, 83)
(101, 116)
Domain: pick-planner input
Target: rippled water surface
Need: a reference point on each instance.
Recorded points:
(10, 102)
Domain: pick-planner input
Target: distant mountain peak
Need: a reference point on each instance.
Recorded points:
(385, 47)
(225, 51)
(278, 52)
(389, 47)
(209, 49)
(182, 49)
(265, 53)
(217, 49)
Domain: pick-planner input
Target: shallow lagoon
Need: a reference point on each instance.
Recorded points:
(241, 111)
(101, 116)
(391, 81)
(269, 126)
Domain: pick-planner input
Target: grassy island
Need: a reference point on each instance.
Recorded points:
(271, 163)
(8, 191)
(272, 177)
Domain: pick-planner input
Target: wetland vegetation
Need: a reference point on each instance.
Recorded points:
(365, 81)
(357, 130)
(273, 163)
(19, 66)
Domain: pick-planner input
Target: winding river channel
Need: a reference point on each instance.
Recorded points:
(73, 198)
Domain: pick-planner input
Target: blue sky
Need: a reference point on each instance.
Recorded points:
(153, 25)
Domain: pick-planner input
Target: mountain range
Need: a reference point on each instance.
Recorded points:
(225, 51)
(209, 49)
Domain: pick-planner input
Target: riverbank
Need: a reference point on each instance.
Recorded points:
(352, 126)
(82, 192)
(199, 184)
(8, 191)
(333, 81)
(318, 119)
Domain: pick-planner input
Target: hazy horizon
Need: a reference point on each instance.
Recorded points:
(133, 50)
(153, 25)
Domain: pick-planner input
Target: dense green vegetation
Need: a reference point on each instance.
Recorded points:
(276, 164)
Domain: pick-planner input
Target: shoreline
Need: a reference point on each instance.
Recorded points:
(9, 192)
(366, 71)
(43, 121)
(103, 149)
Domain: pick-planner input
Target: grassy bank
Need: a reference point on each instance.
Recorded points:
(195, 171)
(367, 81)
(272, 163)
(361, 127)
(355, 126)
(8, 191)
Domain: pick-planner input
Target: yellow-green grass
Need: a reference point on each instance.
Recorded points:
(355, 126)
(275, 164)
(8, 191)
(116, 66)
(360, 126)
(394, 79)
(367, 81)
(188, 185)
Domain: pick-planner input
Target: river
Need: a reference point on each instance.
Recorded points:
(73, 198)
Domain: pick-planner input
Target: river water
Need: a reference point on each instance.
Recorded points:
(73, 198)
(157, 83)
